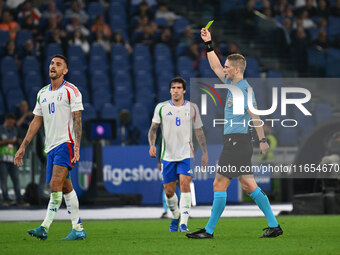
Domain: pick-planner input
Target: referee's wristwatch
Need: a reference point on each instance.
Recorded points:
(263, 140)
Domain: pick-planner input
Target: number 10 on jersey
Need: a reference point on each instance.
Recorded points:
(51, 108)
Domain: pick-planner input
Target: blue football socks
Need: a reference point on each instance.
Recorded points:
(262, 201)
(220, 198)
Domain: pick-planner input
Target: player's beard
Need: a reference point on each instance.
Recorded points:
(57, 76)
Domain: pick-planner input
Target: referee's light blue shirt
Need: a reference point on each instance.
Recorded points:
(239, 122)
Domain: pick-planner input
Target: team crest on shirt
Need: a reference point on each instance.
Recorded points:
(187, 113)
(60, 96)
(230, 102)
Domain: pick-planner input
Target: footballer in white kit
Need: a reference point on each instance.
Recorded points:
(58, 107)
(177, 118)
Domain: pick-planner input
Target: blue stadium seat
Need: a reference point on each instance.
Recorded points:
(8, 65)
(143, 80)
(4, 38)
(204, 69)
(21, 37)
(184, 64)
(32, 96)
(10, 81)
(333, 63)
(305, 123)
(162, 50)
(333, 26)
(75, 51)
(122, 80)
(101, 97)
(252, 69)
(76, 65)
(161, 22)
(140, 116)
(89, 113)
(52, 49)
(123, 99)
(179, 25)
(30, 64)
(100, 81)
(163, 94)
(94, 9)
(32, 79)
(316, 61)
(98, 63)
(118, 22)
(141, 50)
(323, 112)
(109, 111)
(14, 97)
(181, 48)
(97, 50)
(2, 105)
(84, 94)
(147, 98)
(163, 64)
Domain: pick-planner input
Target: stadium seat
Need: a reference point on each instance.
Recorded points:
(2, 105)
(4, 38)
(32, 79)
(181, 48)
(333, 26)
(89, 113)
(97, 50)
(146, 98)
(21, 37)
(32, 96)
(141, 50)
(52, 49)
(316, 62)
(101, 97)
(75, 51)
(161, 22)
(161, 50)
(252, 69)
(8, 65)
(179, 25)
(122, 80)
(122, 99)
(14, 97)
(184, 65)
(333, 63)
(30, 64)
(98, 63)
(140, 116)
(109, 111)
(10, 81)
(323, 112)
(100, 81)
(94, 9)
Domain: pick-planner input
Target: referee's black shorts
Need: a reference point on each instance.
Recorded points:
(235, 159)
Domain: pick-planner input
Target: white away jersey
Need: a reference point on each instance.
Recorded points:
(177, 124)
(56, 107)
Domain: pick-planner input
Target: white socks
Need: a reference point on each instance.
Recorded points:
(53, 207)
(172, 203)
(72, 205)
(185, 205)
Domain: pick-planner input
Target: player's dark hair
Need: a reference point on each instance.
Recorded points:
(62, 57)
(10, 116)
(178, 79)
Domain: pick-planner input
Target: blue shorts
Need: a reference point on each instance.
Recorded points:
(61, 156)
(171, 170)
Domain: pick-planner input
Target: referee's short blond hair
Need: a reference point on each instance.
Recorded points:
(238, 60)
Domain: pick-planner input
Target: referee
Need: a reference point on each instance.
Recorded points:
(237, 149)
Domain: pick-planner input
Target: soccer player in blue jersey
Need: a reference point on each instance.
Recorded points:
(177, 117)
(237, 149)
(58, 107)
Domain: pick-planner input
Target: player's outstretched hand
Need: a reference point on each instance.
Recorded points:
(264, 147)
(152, 151)
(205, 159)
(76, 155)
(205, 35)
(19, 156)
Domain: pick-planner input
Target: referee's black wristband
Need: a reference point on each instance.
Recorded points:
(209, 46)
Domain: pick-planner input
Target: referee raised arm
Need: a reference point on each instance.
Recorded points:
(237, 148)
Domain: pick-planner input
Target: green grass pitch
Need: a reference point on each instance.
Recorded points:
(302, 235)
